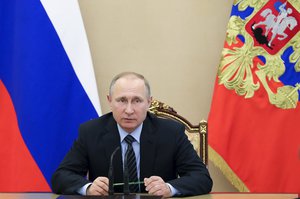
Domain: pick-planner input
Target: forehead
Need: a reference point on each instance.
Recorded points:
(129, 86)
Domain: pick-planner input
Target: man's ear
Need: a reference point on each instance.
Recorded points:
(108, 98)
(149, 101)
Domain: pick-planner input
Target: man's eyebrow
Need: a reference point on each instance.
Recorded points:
(121, 97)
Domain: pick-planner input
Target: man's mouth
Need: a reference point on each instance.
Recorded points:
(129, 119)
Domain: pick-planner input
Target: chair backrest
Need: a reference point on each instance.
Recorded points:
(197, 134)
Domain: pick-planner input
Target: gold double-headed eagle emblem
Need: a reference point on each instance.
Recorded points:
(257, 61)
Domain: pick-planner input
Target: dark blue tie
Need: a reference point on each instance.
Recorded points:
(131, 162)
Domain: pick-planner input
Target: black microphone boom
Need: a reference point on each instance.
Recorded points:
(126, 176)
(111, 172)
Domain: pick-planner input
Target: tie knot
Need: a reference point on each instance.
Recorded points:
(129, 139)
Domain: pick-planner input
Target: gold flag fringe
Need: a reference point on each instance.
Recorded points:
(219, 162)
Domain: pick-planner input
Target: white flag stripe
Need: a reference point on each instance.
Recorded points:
(72, 34)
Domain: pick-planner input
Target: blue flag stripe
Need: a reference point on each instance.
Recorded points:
(49, 100)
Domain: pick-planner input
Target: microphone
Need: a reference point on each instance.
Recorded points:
(126, 176)
(111, 172)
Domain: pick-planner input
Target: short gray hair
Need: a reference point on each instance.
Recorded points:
(124, 74)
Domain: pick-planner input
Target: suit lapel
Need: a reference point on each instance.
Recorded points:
(147, 148)
(111, 142)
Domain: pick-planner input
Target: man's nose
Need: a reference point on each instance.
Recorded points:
(129, 108)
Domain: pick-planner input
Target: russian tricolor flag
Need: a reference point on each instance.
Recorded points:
(47, 88)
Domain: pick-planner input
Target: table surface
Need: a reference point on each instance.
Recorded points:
(119, 196)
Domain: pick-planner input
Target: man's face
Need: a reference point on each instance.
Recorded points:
(129, 102)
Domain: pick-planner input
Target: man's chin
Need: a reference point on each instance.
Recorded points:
(129, 127)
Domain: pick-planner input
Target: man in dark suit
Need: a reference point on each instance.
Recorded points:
(166, 163)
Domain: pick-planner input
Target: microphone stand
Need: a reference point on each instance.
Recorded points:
(126, 176)
(111, 172)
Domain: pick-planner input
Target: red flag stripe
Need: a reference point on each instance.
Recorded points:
(20, 172)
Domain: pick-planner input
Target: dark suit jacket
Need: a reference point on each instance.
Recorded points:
(165, 151)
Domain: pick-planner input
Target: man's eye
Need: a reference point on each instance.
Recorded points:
(137, 101)
(121, 100)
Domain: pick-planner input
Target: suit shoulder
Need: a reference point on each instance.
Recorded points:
(157, 121)
(97, 123)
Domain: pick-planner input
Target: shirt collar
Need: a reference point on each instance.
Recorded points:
(136, 133)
